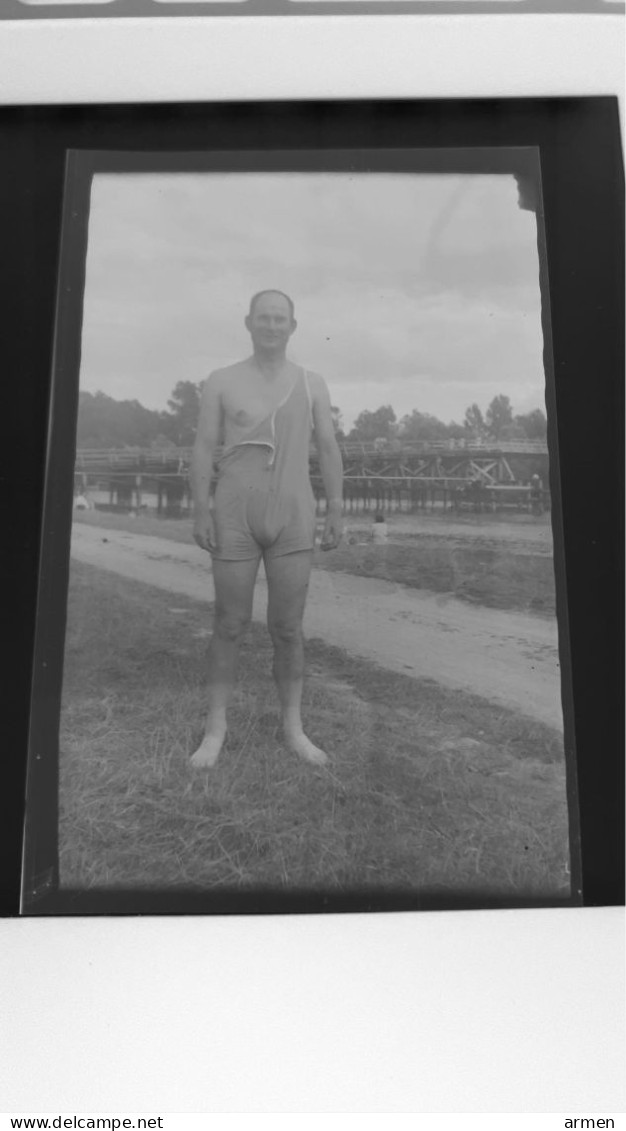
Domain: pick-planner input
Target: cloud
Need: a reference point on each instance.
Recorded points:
(401, 282)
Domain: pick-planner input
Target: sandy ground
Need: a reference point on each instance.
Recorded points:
(506, 657)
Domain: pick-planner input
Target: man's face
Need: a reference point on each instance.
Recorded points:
(270, 324)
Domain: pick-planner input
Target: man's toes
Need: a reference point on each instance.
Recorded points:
(207, 753)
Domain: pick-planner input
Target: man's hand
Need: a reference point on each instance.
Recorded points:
(204, 531)
(333, 529)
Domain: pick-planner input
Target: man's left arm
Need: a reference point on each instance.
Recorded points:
(331, 466)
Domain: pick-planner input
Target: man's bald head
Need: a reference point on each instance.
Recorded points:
(270, 322)
(271, 291)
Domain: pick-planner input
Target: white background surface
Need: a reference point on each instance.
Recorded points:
(464, 1011)
(173, 58)
(467, 1012)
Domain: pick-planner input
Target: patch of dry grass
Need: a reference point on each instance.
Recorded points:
(482, 572)
(427, 789)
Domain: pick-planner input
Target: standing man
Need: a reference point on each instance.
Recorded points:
(264, 410)
(536, 494)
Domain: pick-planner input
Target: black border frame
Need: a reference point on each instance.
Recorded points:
(582, 176)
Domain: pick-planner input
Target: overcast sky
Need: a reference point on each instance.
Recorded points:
(417, 291)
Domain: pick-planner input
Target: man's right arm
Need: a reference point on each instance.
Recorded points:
(207, 439)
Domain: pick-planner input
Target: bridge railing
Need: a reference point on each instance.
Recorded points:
(130, 457)
(135, 458)
(396, 447)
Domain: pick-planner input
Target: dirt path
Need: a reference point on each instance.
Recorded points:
(506, 657)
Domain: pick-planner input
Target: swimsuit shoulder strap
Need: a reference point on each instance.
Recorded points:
(307, 389)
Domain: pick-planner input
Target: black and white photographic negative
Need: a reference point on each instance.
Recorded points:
(312, 648)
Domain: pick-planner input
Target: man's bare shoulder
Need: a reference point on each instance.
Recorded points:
(316, 382)
(318, 387)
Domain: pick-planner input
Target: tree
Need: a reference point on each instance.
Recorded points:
(533, 424)
(512, 432)
(380, 424)
(422, 426)
(181, 422)
(474, 422)
(162, 443)
(499, 416)
(337, 420)
(106, 423)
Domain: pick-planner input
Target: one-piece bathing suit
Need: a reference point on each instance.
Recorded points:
(264, 503)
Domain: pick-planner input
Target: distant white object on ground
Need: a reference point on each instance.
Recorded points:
(81, 503)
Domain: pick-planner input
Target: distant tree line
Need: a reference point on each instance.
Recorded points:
(497, 423)
(104, 422)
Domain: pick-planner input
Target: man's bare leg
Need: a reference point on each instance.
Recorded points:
(287, 584)
(234, 589)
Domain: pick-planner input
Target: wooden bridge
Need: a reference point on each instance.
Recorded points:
(386, 476)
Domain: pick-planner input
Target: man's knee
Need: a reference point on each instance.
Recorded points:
(230, 627)
(285, 631)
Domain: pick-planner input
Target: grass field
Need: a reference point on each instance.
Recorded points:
(427, 790)
(482, 568)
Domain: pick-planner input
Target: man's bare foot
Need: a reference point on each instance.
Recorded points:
(208, 751)
(304, 748)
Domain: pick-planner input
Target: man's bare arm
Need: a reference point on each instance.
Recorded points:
(331, 466)
(201, 472)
